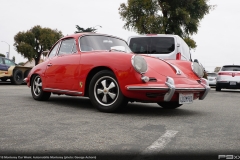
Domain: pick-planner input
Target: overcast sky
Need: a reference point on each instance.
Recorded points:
(217, 38)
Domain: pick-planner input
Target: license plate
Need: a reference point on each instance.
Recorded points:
(185, 98)
(233, 83)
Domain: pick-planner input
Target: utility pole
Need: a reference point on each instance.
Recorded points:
(8, 55)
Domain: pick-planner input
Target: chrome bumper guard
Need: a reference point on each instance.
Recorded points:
(204, 83)
(170, 83)
(172, 89)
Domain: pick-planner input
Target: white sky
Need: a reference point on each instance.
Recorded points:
(217, 37)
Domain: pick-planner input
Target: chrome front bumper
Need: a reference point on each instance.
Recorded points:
(171, 89)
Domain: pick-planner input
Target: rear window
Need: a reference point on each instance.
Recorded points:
(230, 68)
(152, 45)
(212, 74)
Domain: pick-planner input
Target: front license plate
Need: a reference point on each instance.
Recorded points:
(185, 98)
(233, 83)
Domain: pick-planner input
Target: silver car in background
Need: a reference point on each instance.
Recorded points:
(212, 77)
(228, 77)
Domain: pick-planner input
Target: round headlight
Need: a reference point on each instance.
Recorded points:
(198, 69)
(139, 64)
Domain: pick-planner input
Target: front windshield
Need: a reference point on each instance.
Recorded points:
(101, 42)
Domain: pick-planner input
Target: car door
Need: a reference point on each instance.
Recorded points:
(3, 67)
(63, 69)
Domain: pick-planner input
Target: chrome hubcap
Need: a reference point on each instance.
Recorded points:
(37, 86)
(106, 91)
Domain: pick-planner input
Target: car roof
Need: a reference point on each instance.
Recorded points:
(155, 35)
(231, 66)
(75, 35)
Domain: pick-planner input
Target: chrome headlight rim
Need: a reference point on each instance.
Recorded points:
(133, 61)
(199, 75)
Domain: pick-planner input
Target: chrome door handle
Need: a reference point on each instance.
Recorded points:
(49, 64)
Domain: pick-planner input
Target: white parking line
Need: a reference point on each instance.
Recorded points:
(159, 144)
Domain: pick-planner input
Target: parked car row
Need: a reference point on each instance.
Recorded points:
(104, 68)
(228, 77)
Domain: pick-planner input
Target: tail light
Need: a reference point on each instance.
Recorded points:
(220, 73)
(225, 73)
(178, 56)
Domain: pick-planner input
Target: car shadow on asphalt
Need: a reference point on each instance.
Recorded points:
(9, 83)
(230, 91)
(140, 109)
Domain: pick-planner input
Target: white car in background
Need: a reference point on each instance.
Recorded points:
(212, 77)
(164, 46)
(228, 77)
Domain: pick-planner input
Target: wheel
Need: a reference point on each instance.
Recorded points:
(218, 88)
(4, 79)
(105, 94)
(36, 89)
(17, 77)
(169, 105)
(26, 73)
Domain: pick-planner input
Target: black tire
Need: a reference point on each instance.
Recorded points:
(105, 94)
(4, 79)
(218, 88)
(26, 73)
(36, 89)
(17, 77)
(169, 105)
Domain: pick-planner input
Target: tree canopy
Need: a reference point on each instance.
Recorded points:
(89, 29)
(33, 42)
(2, 55)
(180, 17)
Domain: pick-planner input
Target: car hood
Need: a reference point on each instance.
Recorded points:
(164, 67)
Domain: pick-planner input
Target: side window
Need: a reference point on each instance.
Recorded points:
(53, 51)
(9, 63)
(1, 61)
(68, 46)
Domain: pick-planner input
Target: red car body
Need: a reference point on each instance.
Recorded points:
(76, 73)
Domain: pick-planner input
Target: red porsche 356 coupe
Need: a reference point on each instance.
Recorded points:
(103, 68)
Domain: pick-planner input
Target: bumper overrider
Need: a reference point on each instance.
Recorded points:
(170, 88)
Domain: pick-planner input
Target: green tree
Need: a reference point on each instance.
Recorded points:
(2, 55)
(90, 29)
(33, 42)
(180, 17)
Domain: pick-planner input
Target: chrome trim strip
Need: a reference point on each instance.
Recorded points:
(178, 71)
(170, 83)
(190, 89)
(63, 91)
(206, 86)
(137, 88)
